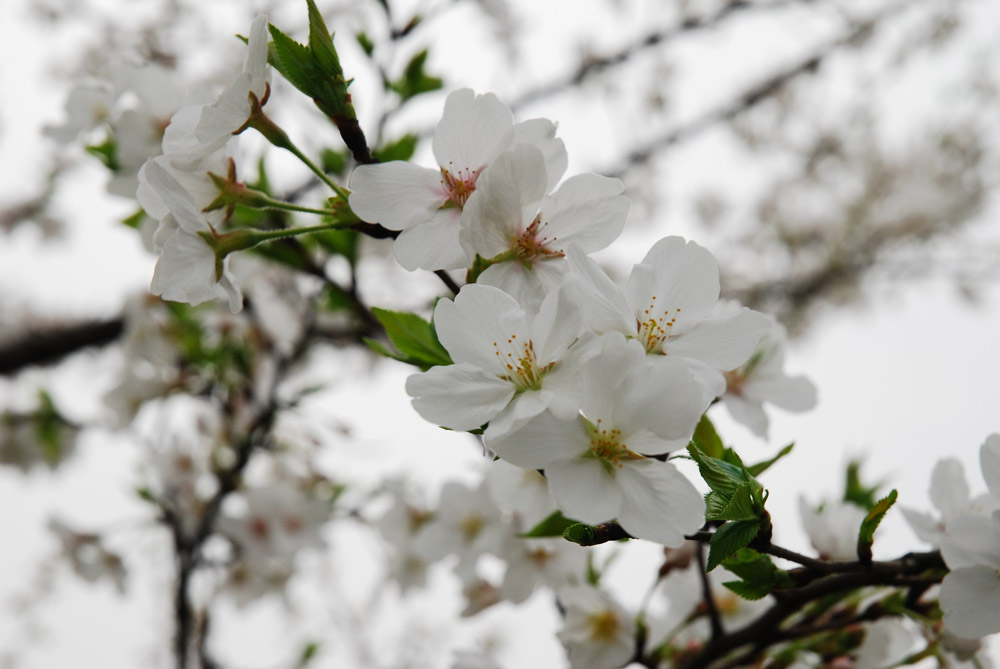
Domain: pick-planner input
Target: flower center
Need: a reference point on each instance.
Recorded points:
(459, 184)
(517, 359)
(655, 325)
(470, 527)
(607, 447)
(533, 244)
(603, 626)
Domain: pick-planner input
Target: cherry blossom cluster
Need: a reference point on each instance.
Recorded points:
(967, 531)
(567, 371)
(177, 189)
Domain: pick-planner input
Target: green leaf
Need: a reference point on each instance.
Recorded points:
(106, 152)
(414, 339)
(365, 42)
(401, 149)
(334, 162)
(553, 525)
(135, 220)
(856, 491)
(741, 506)
(720, 476)
(291, 59)
(308, 654)
(414, 80)
(761, 467)
(730, 538)
(707, 439)
(866, 537)
(747, 590)
(320, 41)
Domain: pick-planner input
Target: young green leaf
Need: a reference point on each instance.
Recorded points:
(707, 439)
(761, 467)
(866, 537)
(730, 538)
(401, 149)
(415, 340)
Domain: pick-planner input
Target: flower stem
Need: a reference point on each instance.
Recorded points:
(265, 126)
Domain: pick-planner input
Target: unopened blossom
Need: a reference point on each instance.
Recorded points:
(629, 407)
(231, 111)
(832, 528)
(763, 379)
(426, 204)
(524, 233)
(667, 304)
(507, 361)
(597, 632)
(188, 270)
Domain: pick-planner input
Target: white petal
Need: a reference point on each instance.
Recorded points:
(949, 491)
(970, 541)
(528, 285)
(473, 130)
(587, 210)
(176, 198)
(460, 397)
(478, 323)
(724, 342)
(658, 502)
(556, 326)
(494, 216)
(584, 490)
(541, 133)
(433, 245)
(256, 62)
(663, 397)
(398, 195)
(541, 441)
(675, 274)
(747, 412)
(924, 525)
(226, 115)
(521, 409)
(599, 299)
(989, 460)
(185, 271)
(970, 599)
(792, 393)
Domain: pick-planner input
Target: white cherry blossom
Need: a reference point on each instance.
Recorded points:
(628, 407)
(949, 493)
(506, 360)
(597, 632)
(230, 112)
(832, 528)
(763, 379)
(667, 304)
(525, 233)
(426, 204)
(187, 270)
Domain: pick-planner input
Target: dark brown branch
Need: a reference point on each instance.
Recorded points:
(40, 348)
(715, 621)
